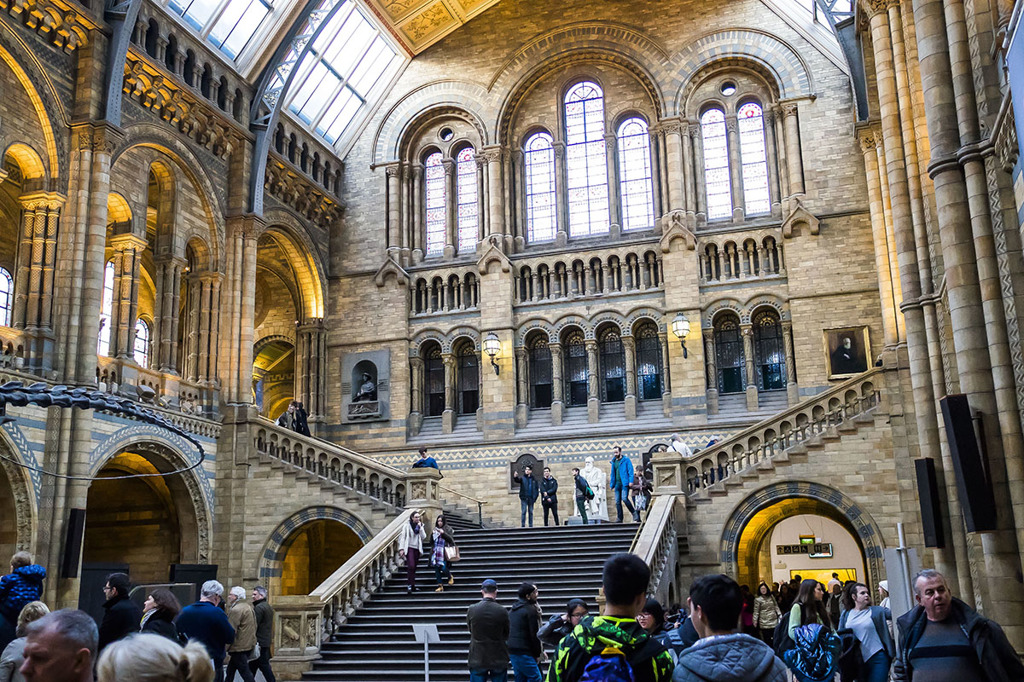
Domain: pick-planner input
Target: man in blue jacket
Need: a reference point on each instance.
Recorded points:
(622, 476)
(206, 622)
(529, 491)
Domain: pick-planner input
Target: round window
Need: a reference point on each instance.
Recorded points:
(728, 88)
(446, 134)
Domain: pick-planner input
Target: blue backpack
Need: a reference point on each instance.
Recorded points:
(608, 666)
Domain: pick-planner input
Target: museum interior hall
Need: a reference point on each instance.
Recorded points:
(255, 255)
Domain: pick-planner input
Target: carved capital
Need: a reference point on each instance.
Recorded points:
(868, 141)
(449, 166)
(731, 124)
(559, 148)
(874, 7)
(671, 126)
(491, 154)
(393, 170)
(788, 109)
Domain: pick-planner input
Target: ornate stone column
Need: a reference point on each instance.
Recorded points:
(593, 377)
(168, 272)
(698, 170)
(774, 162)
(407, 224)
(416, 383)
(127, 259)
(792, 389)
(451, 238)
(418, 216)
(523, 388)
(748, 354)
(793, 160)
(448, 416)
(629, 351)
(689, 176)
(735, 168)
(37, 255)
(611, 156)
(518, 225)
(710, 360)
(310, 369)
(562, 215)
(673, 130)
(666, 379)
(557, 388)
(495, 191)
(237, 310)
(890, 305)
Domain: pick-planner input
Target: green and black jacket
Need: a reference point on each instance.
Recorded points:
(650, 661)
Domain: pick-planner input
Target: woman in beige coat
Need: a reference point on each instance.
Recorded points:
(766, 613)
(243, 620)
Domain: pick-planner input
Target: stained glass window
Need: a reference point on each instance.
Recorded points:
(635, 183)
(585, 161)
(349, 58)
(141, 350)
(6, 297)
(752, 154)
(106, 305)
(228, 24)
(539, 161)
(716, 164)
(468, 209)
(433, 185)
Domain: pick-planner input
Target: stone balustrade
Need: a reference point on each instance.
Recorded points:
(811, 418)
(657, 543)
(568, 276)
(447, 291)
(729, 257)
(347, 468)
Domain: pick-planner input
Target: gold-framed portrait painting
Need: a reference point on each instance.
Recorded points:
(847, 351)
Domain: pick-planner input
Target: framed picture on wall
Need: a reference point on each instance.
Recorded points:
(847, 351)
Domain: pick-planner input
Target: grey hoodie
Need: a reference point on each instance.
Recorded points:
(729, 658)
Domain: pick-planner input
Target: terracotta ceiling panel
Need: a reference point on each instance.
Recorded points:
(418, 24)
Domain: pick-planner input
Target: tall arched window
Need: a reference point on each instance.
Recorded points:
(716, 164)
(576, 368)
(141, 350)
(433, 187)
(648, 362)
(613, 367)
(106, 305)
(6, 297)
(635, 183)
(750, 121)
(433, 368)
(585, 161)
(540, 374)
(539, 164)
(769, 353)
(468, 209)
(729, 354)
(469, 380)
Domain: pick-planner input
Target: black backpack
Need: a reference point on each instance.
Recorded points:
(781, 641)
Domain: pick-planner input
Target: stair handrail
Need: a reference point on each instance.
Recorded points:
(768, 437)
(353, 582)
(479, 503)
(656, 543)
(333, 462)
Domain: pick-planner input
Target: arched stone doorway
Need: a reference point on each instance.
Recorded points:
(146, 522)
(745, 552)
(308, 546)
(17, 498)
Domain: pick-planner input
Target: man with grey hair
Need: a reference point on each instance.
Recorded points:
(60, 647)
(943, 639)
(243, 620)
(205, 622)
(264, 633)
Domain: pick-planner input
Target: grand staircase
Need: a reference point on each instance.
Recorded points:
(376, 643)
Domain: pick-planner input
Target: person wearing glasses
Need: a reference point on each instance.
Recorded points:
(561, 624)
(121, 615)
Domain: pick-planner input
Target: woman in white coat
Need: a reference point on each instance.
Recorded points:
(410, 544)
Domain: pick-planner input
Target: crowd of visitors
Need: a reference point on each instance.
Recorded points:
(712, 639)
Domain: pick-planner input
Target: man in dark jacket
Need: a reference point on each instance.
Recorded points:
(548, 495)
(529, 491)
(488, 631)
(123, 616)
(523, 643)
(722, 654)
(264, 633)
(206, 622)
(621, 477)
(943, 638)
(580, 484)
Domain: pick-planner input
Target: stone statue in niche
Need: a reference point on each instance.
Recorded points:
(367, 389)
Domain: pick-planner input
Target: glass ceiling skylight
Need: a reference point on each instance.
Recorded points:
(347, 65)
(228, 24)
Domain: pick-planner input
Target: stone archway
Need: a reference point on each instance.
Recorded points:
(756, 515)
(155, 450)
(354, 532)
(16, 502)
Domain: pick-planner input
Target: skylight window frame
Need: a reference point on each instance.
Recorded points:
(264, 34)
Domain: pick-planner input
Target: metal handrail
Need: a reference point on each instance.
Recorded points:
(479, 503)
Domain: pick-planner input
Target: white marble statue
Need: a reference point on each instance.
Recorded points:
(597, 508)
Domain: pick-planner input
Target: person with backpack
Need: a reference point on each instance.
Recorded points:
(583, 493)
(613, 647)
(814, 650)
(523, 644)
(722, 654)
(870, 625)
